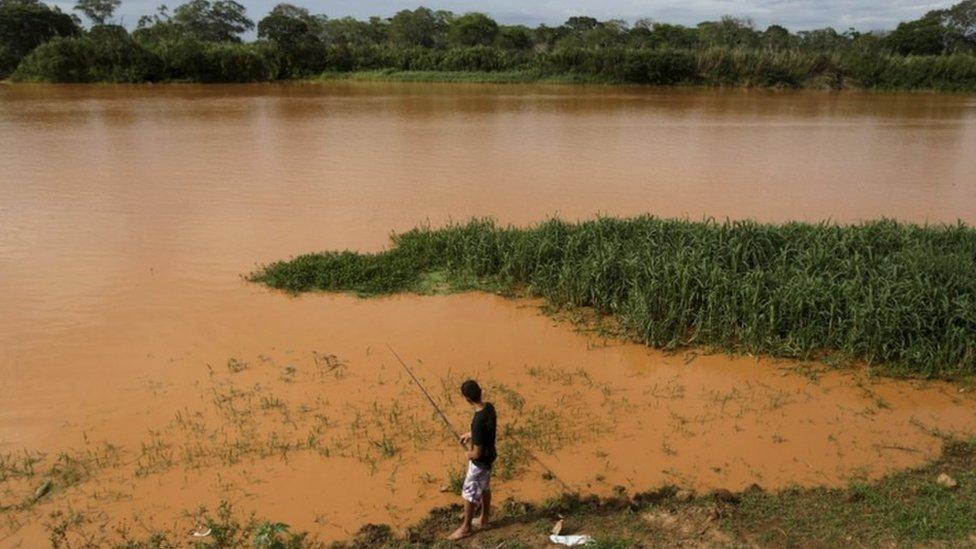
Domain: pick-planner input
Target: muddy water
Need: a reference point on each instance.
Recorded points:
(129, 342)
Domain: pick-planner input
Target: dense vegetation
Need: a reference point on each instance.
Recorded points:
(883, 292)
(201, 41)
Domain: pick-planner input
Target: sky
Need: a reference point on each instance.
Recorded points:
(863, 15)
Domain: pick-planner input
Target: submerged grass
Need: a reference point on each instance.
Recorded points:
(907, 509)
(898, 295)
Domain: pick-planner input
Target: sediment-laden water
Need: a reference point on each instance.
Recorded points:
(129, 342)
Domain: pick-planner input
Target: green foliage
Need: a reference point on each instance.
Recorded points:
(26, 25)
(60, 60)
(420, 27)
(657, 66)
(229, 62)
(959, 22)
(289, 25)
(297, 35)
(8, 60)
(729, 32)
(98, 11)
(212, 21)
(275, 535)
(909, 507)
(118, 58)
(514, 38)
(106, 54)
(922, 37)
(473, 29)
(883, 292)
(201, 42)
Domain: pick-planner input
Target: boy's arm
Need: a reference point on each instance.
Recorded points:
(474, 452)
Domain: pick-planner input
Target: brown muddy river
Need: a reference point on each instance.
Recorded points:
(142, 374)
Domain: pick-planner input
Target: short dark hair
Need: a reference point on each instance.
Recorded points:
(471, 390)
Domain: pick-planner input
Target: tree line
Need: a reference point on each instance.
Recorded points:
(201, 41)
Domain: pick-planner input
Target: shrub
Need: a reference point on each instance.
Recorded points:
(60, 60)
(106, 54)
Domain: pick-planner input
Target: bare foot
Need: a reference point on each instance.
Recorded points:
(460, 533)
(480, 523)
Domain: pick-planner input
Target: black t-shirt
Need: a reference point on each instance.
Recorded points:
(483, 435)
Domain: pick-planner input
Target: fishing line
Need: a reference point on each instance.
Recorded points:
(457, 436)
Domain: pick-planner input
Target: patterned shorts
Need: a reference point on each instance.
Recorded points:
(476, 482)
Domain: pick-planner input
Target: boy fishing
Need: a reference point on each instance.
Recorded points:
(479, 444)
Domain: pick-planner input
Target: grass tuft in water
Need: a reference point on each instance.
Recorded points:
(894, 294)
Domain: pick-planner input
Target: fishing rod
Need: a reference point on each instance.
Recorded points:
(457, 436)
(447, 422)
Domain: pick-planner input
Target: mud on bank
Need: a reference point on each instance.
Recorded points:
(928, 505)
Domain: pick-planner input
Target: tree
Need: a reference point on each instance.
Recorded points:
(776, 37)
(826, 39)
(581, 24)
(352, 32)
(62, 59)
(514, 38)
(473, 29)
(298, 35)
(289, 25)
(674, 36)
(925, 36)
(217, 21)
(960, 25)
(98, 11)
(24, 25)
(730, 32)
(420, 27)
(548, 36)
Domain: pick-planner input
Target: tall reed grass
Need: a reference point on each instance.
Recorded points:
(882, 292)
(716, 66)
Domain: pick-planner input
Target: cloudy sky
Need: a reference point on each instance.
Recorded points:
(794, 14)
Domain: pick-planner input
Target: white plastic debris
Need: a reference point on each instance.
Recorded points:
(201, 533)
(571, 541)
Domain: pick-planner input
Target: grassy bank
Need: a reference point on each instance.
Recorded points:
(713, 67)
(909, 508)
(891, 294)
(473, 77)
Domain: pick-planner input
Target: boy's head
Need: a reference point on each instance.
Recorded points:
(471, 391)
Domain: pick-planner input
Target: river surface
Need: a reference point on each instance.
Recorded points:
(129, 214)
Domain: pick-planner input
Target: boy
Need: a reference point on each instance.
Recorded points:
(479, 444)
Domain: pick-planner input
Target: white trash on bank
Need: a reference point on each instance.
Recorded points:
(571, 541)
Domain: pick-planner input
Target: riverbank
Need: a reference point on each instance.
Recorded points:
(893, 295)
(83, 59)
(472, 77)
(529, 76)
(928, 505)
